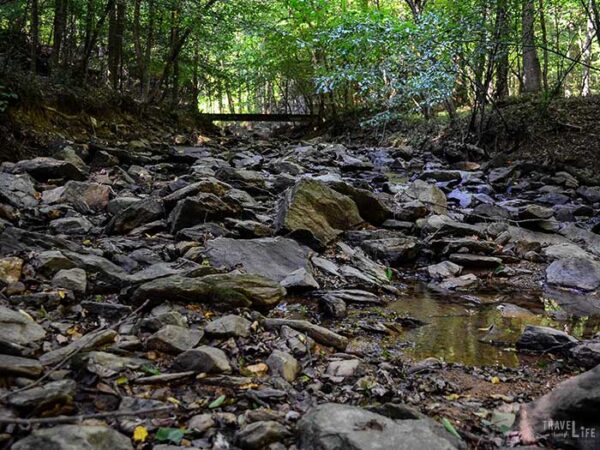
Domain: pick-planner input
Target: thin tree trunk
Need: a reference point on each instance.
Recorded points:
(503, 36)
(532, 74)
(587, 58)
(35, 33)
(544, 45)
(60, 23)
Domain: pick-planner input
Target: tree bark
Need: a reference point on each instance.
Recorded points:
(544, 45)
(60, 23)
(532, 74)
(587, 57)
(35, 33)
(503, 36)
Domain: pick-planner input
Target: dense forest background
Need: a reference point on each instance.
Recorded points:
(385, 57)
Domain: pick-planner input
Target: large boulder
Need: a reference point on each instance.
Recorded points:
(84, 196)
(371, 206)
(544, 339)
(333, 426)
(566, 417)
(221, 291)
(274, 258)
(315, 213)
(75, 437)
(579, 273)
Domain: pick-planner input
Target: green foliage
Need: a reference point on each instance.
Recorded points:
(172, 435)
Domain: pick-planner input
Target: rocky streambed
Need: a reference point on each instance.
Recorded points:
(252, 293)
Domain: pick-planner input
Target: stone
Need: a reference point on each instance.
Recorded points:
(17, 366)
(87, 342)
(203, 359)
(17, 327)
(320, 334)
(10, 269)
(103, 276)
(72, 279)
(333, 306)
(139, 213)
(578, 273)
(343, 369)
(430, 195)
(565, 251)
(259, 435)
(201, 423)
(300, 279)
(314, 213)
(207, 186)
(590, 193)
(274, 258)
(586, 354)
(462, 282)
(174, 339)
(106, 364)
(284, 365)
(228, 326)
(371, 206)
(545, 339)
(534, 212)
(85, 197)
(75, 437)
(221, 291)
(574, 399)
(333, 426)
(44, 169)
(45, 396)
(444, 226)
(392, 251)
(202, 208)
(49, 262)
(17, 191)
(71, 225)
(466, 259)
(444, 269)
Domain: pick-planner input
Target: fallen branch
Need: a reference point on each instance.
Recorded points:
(82, 417)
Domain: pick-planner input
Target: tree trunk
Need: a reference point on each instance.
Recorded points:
(503, 36)
(60, 23)
(35, 33)
(587, 57)
(532, 74)
(544, 45)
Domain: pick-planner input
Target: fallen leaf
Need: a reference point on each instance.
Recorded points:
(140, 434)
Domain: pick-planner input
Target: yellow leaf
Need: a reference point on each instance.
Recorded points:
(452, 397)
(87, 242)
(61, 294)
(122, 380)
(140, 434)
(495, 380)
(173, 400)
(258, 369)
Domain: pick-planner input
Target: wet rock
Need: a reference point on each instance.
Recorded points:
(17, 327)
(315, 213)
(10, 269)
(573, 401)
(300, 279)
(203, 359)
(284, 365)
(259, 435)
(44, 169)
(174, 339)
(202, 208)
(67, 437)
(342, 427)
(20, 367)
(71, 225)
(137, 214)
(444, 269)
(586, 354)
(320, 334)
(228, 326)
(578, 273)
(462, 282)
(45, 396)
(17, 191)
(220, 290)
(274, 258)
(87, 342)
(544, 339)
(430, 195)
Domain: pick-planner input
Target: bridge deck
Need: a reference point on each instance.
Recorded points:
(261, 117)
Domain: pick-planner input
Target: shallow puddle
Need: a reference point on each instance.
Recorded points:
(459, 332)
